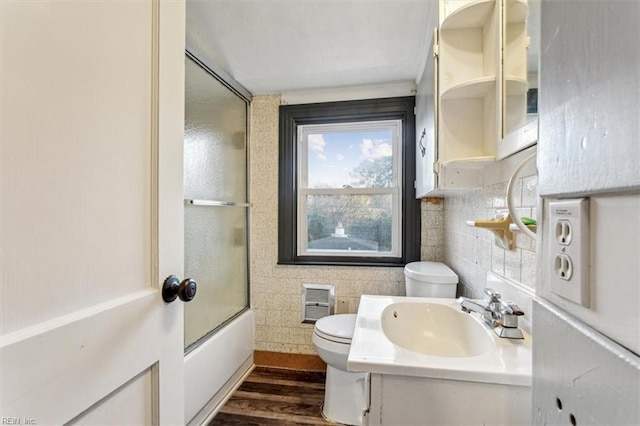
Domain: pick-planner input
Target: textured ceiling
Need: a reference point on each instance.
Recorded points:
(281, 46)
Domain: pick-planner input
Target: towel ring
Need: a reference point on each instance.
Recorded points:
(510, 206)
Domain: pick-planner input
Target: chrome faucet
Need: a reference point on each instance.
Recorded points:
(501, 316)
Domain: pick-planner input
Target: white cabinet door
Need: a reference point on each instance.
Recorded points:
(426, 119)
(91, 214)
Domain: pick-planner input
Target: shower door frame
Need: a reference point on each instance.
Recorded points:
(207, 382)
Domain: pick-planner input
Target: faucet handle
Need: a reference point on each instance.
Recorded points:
(511, 308)
(494, 295)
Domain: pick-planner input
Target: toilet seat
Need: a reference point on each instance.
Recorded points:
(336, 328)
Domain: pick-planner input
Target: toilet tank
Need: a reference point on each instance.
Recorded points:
(430, 279)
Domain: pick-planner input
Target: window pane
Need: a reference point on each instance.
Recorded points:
(347, 223)
(357, 159)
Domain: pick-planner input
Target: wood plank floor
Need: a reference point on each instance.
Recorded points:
(273, 396)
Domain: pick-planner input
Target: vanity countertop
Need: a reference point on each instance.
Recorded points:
(507, 362)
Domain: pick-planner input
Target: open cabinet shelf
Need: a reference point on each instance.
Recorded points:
(516, 11)
(469, 163)
(468, 64)
(478, 88)
(515, 85)
(472, 14)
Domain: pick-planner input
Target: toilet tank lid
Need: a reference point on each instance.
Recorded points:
(341, 325)
(433, 272)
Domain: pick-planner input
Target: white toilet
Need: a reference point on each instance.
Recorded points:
(430, 279)
(344, 395)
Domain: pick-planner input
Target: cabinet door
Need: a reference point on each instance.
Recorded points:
(520, 53)
(426, 129)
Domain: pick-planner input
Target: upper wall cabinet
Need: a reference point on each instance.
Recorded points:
(514, 72)
(520, 58)
(480, 91)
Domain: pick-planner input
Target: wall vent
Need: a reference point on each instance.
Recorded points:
(317, 301)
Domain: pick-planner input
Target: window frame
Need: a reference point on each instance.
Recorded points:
(395, 190)
(293, 116)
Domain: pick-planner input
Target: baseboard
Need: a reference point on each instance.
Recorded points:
(288, 360)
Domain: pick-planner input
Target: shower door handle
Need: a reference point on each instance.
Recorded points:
(215, 203)
(174, 288)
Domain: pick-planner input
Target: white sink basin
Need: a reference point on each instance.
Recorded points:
(435, 329)
(425, 337)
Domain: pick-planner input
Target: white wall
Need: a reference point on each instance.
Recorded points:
(588, 146)
(589, 103)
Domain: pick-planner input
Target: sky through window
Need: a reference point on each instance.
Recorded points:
(334, 157)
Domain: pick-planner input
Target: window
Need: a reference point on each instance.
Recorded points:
(347, 172)
(349, 189)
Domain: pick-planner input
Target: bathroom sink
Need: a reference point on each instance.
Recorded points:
(435, 329)
(434, 338)
(417, 346)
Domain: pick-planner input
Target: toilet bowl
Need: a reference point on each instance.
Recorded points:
(430, 279)
(344, 395)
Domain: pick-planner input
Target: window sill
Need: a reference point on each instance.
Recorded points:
(386, 263)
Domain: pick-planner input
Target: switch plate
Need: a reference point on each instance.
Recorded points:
(567, 249)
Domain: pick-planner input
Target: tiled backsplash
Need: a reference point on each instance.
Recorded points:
(276, 289)
(471, 252)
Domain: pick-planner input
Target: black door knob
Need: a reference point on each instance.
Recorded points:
(173, 288)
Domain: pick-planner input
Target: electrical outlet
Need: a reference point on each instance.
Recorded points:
(567, 249)
(563, 267)
(564, 232)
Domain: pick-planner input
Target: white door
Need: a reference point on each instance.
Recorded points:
(91, 215)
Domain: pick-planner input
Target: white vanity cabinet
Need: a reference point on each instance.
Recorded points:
(404, 400)
(479, 82)
(430, 363)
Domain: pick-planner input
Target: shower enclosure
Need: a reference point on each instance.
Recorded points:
(216, 227)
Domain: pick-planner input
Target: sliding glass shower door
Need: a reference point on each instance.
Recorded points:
(216, 208)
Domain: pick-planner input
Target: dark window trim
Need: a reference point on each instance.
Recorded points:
(291, 116)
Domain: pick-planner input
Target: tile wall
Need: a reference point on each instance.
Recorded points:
(471, 252)
(276, 289)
